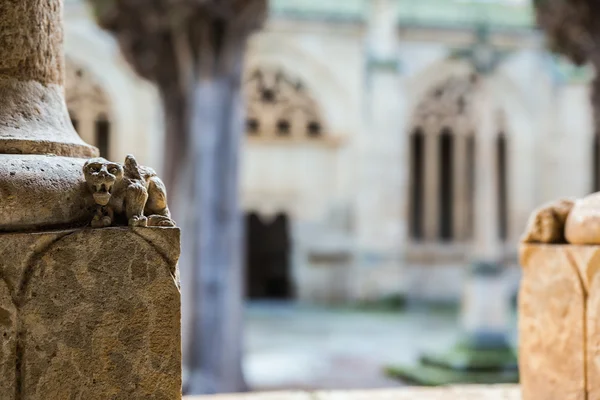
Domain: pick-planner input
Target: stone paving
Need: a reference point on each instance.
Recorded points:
(291, 347)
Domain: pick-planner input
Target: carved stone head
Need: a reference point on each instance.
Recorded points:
(100, 176)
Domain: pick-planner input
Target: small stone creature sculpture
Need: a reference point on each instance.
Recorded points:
(547, 223)
(127, 194)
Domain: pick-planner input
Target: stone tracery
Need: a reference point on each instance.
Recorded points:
(280, 107)
(448, 105)
(442, 154)
(443, 146)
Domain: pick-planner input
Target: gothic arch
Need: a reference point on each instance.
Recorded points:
(339, 104)
(89, 107)
(520, 126)
(279, 106)
(441, 158)
(135, 112)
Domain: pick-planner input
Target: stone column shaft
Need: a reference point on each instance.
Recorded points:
(33, 114)
(31, 40)
(461, 188)
(432, 186)
(485, 298)
(486, 243)
(41, 155)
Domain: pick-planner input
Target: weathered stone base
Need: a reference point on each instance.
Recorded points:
(90, 314)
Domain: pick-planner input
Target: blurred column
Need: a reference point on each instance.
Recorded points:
(382, 29)
(485, 312)
(486, 225)
(382, 154)
(461, 188)
(432, 186)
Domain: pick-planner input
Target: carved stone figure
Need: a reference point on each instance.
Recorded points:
(547, 223)
(127, 194)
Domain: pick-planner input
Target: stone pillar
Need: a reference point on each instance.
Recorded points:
(486, 225)
(84, 313)
(485, 303)
(432, 186)
(33, 117)
(381, 149)
(461, 188)
(34, 122)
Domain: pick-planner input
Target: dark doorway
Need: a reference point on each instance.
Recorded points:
(268, 274)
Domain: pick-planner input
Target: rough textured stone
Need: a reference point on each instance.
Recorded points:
(547, 223)
(90, 314)
(587, 260)
(31, 38)
(35, 191)
(33, 114)
(34, 120)
(551, 324)
(43, 191)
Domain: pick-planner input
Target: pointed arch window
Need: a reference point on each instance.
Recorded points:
(442, 151)
(88, 107)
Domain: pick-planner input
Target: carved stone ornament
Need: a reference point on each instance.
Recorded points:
(280, 107)
(126, 194)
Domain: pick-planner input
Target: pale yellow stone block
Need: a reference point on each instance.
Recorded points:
(552, 313)
(90, 314)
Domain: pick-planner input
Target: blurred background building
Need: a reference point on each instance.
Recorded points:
(362, 133)
(373, 168)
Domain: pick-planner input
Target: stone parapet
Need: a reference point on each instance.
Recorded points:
(469, 392)
(90, 314)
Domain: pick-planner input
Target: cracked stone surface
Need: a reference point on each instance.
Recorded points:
(90, 314)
